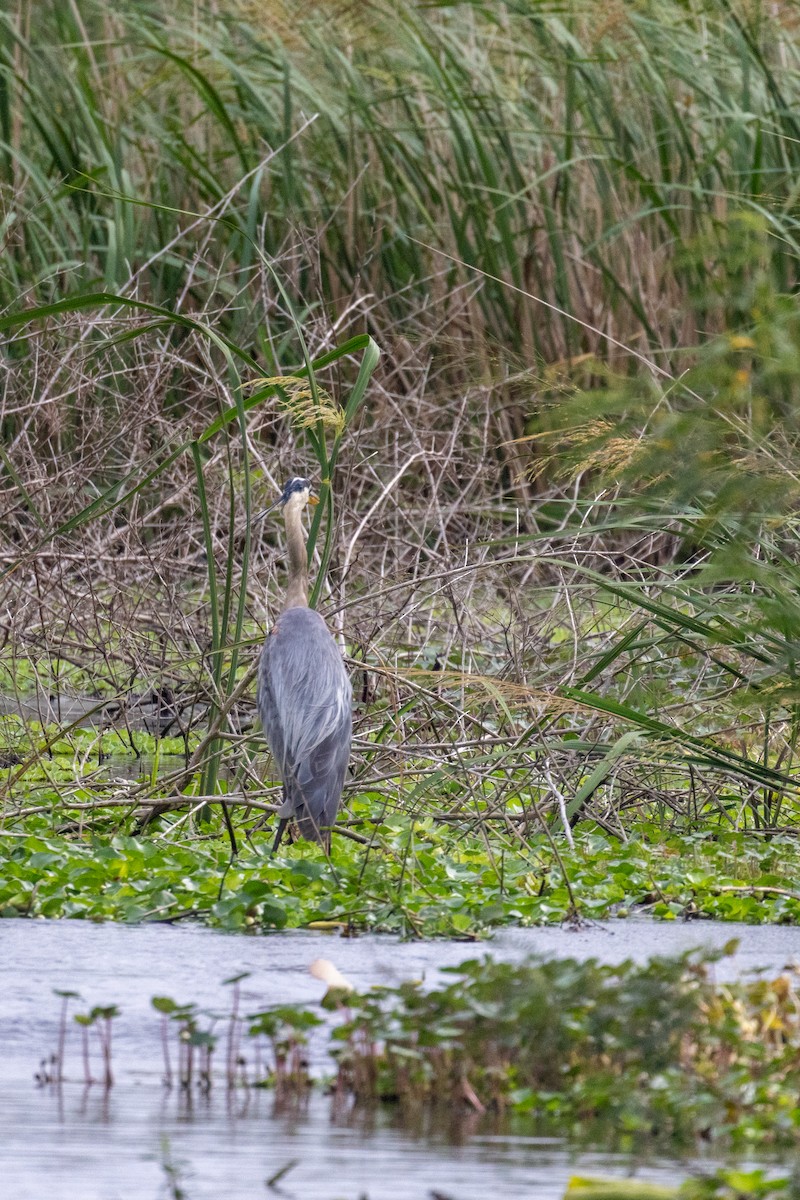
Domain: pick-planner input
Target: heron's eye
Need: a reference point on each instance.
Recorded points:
(295, 485)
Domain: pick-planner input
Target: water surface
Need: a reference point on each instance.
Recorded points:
(77, 1144)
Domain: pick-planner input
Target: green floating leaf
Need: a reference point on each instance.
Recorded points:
(579, 1188)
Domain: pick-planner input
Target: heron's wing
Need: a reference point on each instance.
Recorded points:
(305, 702)
(318, 780)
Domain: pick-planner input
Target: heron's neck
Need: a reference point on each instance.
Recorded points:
(297, 589)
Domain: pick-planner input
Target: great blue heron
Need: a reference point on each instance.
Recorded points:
(304, 695)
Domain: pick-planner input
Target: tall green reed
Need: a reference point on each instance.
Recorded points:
(565, 152)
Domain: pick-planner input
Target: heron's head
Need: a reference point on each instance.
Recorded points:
(297, 494)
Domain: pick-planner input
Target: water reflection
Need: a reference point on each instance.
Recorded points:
(70, 1143)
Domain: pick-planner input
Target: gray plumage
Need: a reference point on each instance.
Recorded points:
(305, 703)
(304, 696)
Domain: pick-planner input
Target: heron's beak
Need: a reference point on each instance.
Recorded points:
(278, 503)
(266, 511)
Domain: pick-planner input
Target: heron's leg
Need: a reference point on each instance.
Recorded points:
(282, 823)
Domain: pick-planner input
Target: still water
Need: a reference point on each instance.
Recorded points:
(139, 1142)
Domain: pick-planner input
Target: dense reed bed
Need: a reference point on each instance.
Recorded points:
(416, 167)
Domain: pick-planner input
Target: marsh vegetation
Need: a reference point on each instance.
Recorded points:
(516, 286)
